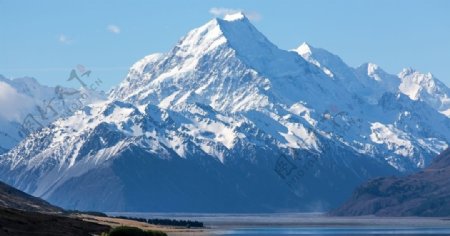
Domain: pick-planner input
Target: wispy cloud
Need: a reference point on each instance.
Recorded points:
(222, 11)
(64, 39)
(113, 29)
(12, 103)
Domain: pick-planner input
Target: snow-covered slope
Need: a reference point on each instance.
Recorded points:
(426, 88)
(225, 122)
(370, 81)
(26, 105)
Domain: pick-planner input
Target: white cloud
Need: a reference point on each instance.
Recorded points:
(221, 12)
(13, 105)
(64, 39)
(113, 29)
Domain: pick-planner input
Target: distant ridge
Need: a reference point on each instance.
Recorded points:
(426, 193)
(226, 121)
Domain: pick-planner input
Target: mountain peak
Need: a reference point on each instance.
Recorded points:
(416, 76)
(411, 72)
(407, 71)
(233, 39)
(237, 33)
(217, 110)
(304, 49)
(371, 68)
(232, 29)
(235, 16)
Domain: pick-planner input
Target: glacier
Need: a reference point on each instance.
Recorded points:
(228, 122)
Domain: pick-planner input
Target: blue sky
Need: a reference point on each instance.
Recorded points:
(46, 39)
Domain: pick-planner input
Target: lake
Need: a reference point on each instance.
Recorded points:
(305, 224)
(268, 231)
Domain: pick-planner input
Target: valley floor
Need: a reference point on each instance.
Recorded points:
(115, 222)
(293, 224)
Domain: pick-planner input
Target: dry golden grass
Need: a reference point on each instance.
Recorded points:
(115, 222)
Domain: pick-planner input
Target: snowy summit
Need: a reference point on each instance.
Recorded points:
(226, 122)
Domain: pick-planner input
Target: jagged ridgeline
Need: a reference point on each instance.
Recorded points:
(228, 122)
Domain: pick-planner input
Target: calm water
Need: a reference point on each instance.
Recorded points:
(306, 224)
(269, 231)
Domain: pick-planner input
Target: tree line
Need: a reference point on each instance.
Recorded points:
(167, 222)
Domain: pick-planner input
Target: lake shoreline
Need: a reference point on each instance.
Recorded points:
(297, 224)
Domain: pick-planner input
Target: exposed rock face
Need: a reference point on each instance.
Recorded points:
(426, 193)
(228, 122)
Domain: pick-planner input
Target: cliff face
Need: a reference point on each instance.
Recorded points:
(426, 193)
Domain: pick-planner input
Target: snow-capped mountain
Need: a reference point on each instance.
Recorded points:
(370, 81)
(26, 105)
(361, 81)
(426, 88)
(226, 122)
